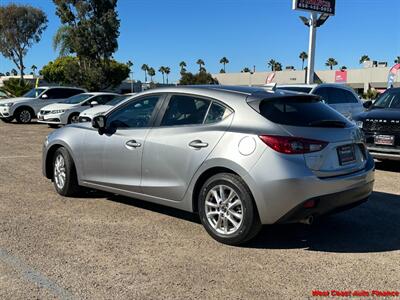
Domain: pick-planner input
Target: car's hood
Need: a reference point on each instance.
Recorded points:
(379, 114)
(96, 110)
(16, 100)
(59, 106)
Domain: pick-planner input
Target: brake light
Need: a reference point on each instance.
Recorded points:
(293, 145)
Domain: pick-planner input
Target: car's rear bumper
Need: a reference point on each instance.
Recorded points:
(328, 204)
(282, 187)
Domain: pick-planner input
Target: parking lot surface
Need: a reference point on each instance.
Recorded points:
(111, 247)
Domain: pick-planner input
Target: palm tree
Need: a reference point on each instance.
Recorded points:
(224, 61)
(343, 68)
(331, 62)
(201, 63)
(162, 71)
(246, 70)
(33, 68)
(272, 64)
(182, 65)
(364, 58)
(397, 60)
(145, 69)
(222, 71)
(167, 70)
(303, 56)
(7, 73)
(278, 66)
(14, 72)
(151, 73)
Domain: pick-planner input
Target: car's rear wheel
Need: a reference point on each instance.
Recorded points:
(74, 118)
(7, 120)
(23, 115)
(227, 209)
(64, 174)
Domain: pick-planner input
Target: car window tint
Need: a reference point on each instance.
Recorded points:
(323, 93)
(101, 99)
(61, 93)
(216, 113)
(135, 114)
(337, 96)
(185, 110)
(349, 97)
(298, 111)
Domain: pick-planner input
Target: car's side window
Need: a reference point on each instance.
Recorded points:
(349, 97)
(216, 113)
(57, 93)
(337, 96)
(185, 110)
(136, 114)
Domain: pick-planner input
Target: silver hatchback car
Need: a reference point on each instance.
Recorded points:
(240, 157)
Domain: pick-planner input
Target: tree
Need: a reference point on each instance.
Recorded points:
(199, 78)
(33, 68)
(162, 71)
(331, 62)
(343, 68)
(397, 60)
(7, 73)
(14, 72)
(15, 87)
(201, 63)
(151, 73)
(303, 56)
(224, 61)
(182, 65)
(364, 58)
(222, 71)
(20, 27)
(272, 64)
(66, 70)
(246, 70)
(145, 69)
(278, 66)
(167, 71)
(90, 30)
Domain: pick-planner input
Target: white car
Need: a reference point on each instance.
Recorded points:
(338, 96)
(88, 114)
(25, 108)
(67, 112)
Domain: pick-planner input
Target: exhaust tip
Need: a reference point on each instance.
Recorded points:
(308, 221)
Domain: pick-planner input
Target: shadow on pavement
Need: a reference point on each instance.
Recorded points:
(390, 166)
(371, 227)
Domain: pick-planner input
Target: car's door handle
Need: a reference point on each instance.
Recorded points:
(198, 144)
(133, 144)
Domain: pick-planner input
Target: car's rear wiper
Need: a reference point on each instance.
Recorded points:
(328, 123)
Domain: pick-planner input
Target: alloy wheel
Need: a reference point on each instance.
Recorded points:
(25, 116)
(224, 209)
(59, 171)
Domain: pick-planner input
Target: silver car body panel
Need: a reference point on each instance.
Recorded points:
(165, 169)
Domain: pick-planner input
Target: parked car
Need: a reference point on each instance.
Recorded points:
(67, 111)
(239, 156)
(338, 96)
(381, 125)
(88, 114)
(24, 108)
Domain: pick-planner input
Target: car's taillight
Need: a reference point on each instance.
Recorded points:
(292, 145)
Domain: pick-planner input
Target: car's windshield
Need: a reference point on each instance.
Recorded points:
(34, 93)
(389, 99)
(77, 98)
(117, 100)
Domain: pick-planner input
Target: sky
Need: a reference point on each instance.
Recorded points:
(247, 32)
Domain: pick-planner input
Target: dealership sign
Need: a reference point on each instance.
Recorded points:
(341, 76)
(318, 6)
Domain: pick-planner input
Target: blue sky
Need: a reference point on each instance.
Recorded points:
(247, 32)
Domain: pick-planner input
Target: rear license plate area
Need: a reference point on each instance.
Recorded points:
(384, 140)
(346, 154)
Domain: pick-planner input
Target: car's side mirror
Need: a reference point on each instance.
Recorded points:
(99, 122)
(44, 96)
(367, 104)
(93, 103)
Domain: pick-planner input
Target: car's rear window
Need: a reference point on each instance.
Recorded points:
(301, 111)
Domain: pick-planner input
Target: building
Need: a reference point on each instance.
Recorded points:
(372, 76)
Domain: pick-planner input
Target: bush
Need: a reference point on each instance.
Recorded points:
(17, 87)
(371, 94)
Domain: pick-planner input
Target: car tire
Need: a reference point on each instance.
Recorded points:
(7, 120)
(74, 118)
(65, 178)
(23, 115)
(233, 218)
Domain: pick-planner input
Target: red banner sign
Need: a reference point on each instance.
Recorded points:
(341, 76)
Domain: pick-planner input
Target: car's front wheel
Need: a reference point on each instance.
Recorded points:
(64, 174)
(23, 115)
(74, 118)
(227, 209)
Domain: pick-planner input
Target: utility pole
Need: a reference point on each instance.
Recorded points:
(311, 48)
